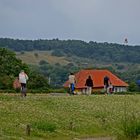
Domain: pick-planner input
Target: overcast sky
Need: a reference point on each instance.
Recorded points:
(88, 20)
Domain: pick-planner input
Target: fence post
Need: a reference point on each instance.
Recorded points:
(28, 129)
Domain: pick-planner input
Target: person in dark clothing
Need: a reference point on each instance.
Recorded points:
(89, 85)
(106, 83)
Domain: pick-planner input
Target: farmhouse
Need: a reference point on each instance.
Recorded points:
(98, 79)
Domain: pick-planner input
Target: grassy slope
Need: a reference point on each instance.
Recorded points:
(61, 118)
(29, 57)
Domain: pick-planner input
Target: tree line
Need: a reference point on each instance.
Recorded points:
(108, 52)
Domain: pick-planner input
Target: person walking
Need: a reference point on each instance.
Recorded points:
(111, 89)
(89, 85)
(106, 84)
(23, 77)
(72, 82)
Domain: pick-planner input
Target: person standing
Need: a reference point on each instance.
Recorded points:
(72, 82)
(106, 84)
(89, 85)
(23, 77)
(111, 88)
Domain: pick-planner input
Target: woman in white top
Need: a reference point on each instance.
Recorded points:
(72, 82)
(23, 77)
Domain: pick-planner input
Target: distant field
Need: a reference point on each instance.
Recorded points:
(32, 58)
(67, 117)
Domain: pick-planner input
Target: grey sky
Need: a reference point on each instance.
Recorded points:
(96, 20)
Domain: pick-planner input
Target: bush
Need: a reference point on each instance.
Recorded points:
(43, 62)
(133, 87)
(57, 53)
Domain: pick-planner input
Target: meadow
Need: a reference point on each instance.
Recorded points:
(69, 117)
(31, 58)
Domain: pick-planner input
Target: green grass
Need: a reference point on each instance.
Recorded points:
(67, 117)
(30, 58)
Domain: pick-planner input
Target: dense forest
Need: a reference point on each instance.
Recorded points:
(123, 60)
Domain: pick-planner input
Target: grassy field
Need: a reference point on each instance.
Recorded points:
(69, 117)
(30, 58)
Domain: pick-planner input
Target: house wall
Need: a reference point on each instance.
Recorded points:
(116, 89)
(120, 89)
(83, 90)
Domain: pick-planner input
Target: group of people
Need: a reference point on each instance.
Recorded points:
(89, 84)
(72, 82)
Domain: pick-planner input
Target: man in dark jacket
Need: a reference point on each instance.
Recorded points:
(89, 84)
(106, 84)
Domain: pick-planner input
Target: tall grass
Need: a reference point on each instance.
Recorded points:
(67, 117)
(131, 122)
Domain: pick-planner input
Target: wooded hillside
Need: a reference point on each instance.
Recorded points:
(107, 52)
(55, 59)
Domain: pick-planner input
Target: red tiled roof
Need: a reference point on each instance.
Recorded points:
(98, 78)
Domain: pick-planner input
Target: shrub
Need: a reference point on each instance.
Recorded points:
(57, 53)
(43, 62)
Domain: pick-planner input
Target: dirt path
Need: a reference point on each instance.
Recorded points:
(100, 138)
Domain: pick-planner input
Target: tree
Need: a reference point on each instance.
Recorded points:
(10, 65)
(10, 68)
(37, 81)
(133, 87)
